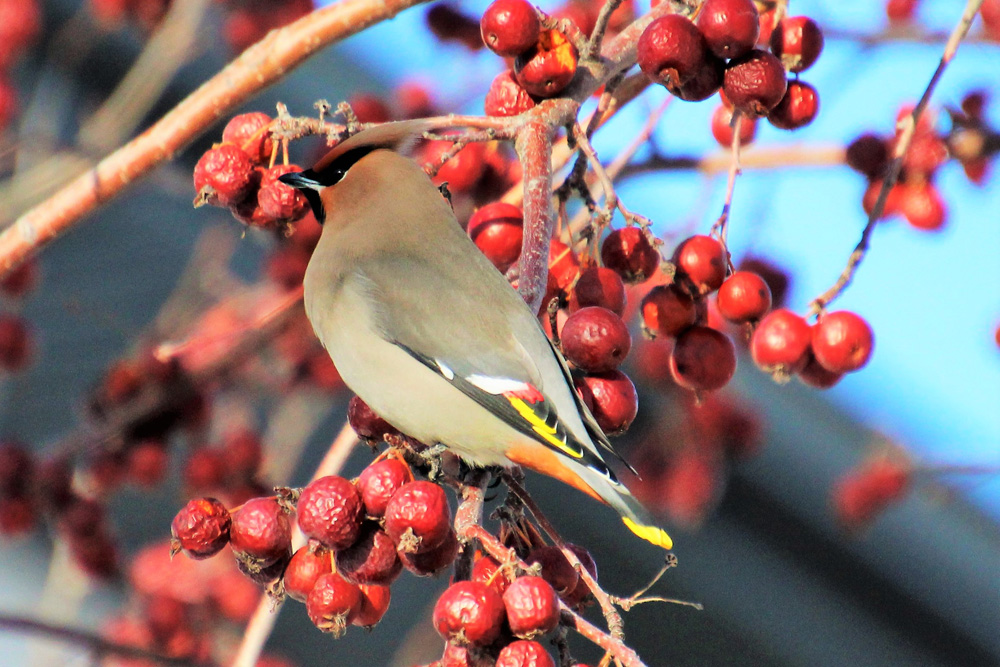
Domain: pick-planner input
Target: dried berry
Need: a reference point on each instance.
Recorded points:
(556, 568)
(418, 517)
(547, 67)
(371, 559)
(366, 423)
(249, 132)
(671, 51)
(333, 603)
(330, 511)
(506, 97)
(433, 561)
(532, 607)
(280, 203)
(201, 528)
(379, 481)
(469, 612)
(224, 176)
(262, 530)
(755, 82)
(524, 653)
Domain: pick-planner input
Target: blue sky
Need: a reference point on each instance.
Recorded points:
(932, 298)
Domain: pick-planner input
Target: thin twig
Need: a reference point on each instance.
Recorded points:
(98, 646)
(721, 225)
(909, 125)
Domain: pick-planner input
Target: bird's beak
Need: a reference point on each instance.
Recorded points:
(301, 180)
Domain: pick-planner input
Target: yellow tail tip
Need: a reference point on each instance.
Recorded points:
(652, 534)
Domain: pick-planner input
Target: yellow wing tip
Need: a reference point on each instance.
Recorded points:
(652, 534)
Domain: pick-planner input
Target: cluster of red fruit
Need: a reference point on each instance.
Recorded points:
(20, 23)
(915, 197)
(361, 534)
(245, 21)
(238, 174)
(901, 12)
(719, 49)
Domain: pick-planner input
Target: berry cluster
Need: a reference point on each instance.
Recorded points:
(233, 174)
(915, 196)
(720, 49)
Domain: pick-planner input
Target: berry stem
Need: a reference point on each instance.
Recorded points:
(909, 125)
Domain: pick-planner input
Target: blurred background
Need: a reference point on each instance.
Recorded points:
(745, 483)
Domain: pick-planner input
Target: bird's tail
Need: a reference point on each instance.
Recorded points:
(636, 517)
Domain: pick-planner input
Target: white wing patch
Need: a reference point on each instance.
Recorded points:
(495, 385)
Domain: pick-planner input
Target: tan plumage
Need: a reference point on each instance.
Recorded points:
(428, 333)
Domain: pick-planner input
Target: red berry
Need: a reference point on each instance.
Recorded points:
(147, 462)
(366, 423)
(706, 81)
(780, 342)
(370, 108)
(598, 286)
(431, 562)
(702, 260)
(333, 603)
(307, 565)
(842, 341)
(96, 555)
(722, 128)
(463, 171)
(869, 155)
(671, 51)
(797, 108)
(330, 511)
(21, 278)
(249, 132)
(814, 375)
(523, 653)
(582, 591)
(201, 528)
(922, 206)
(379, 481)
(900, 11)
(17, 515)
(798, 41)
(860, 495)
(506, 97)
(486, 570)
(413, 100)
(243, 452)
(532, 607)
(418, 517)
(224, 176)
(15, 343)
(374, 603)
(497, 229)
(371, 559)
(703, 359)
(730, 27)
(556, 569)
(448, 24)
(262, 530)
(629, 253)
(469, 612)
(615, 402)
(744, 297)
(893, 201)
(990, 13)
(667, 310)
(755, 82)
(278, 202)
(563, 264)
(20, 23)
(510, 27)
(548, 67)
(204, 469)
(595, 339)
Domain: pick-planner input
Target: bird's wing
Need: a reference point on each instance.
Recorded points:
(524, 383)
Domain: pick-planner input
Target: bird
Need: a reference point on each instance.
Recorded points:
(427, 332)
